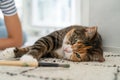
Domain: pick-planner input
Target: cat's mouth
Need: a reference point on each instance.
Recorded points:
(68, 52)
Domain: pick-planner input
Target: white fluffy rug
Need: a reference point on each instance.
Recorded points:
(108, 70)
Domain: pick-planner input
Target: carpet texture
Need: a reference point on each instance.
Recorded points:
(108, 70)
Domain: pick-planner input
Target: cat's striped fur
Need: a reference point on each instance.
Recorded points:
(85, 45)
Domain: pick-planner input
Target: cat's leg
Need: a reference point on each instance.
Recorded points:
(58, 55)
(9, 53)
(31, 55)
(21, 51)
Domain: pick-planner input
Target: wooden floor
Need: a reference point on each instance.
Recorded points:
(108, 70)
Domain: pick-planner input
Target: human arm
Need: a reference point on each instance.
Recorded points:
(14, 30)
(12, 24)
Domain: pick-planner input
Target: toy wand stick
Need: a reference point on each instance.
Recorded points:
(32, 64)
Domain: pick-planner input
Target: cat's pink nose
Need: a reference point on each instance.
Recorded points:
(67, 50)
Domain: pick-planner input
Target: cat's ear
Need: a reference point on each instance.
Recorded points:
(91, 31)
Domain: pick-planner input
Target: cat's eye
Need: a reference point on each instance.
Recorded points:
(87, 43)
(76, 40)
(67, 42)
(78, 55)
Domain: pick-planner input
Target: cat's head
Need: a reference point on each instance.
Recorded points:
(78, 42)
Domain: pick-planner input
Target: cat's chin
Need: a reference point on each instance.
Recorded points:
(67, 55)
(28, 58)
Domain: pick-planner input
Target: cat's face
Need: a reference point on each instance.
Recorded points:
(75, 43)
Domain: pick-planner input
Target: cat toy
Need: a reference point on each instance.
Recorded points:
(32, 64)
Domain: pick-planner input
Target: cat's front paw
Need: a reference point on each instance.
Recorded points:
(8, 53)
(28, 58)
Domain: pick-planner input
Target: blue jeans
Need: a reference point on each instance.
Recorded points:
(3, 34)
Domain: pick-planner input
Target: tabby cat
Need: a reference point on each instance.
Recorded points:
(75, 43)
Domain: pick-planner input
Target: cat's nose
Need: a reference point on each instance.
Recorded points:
(67, 50)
